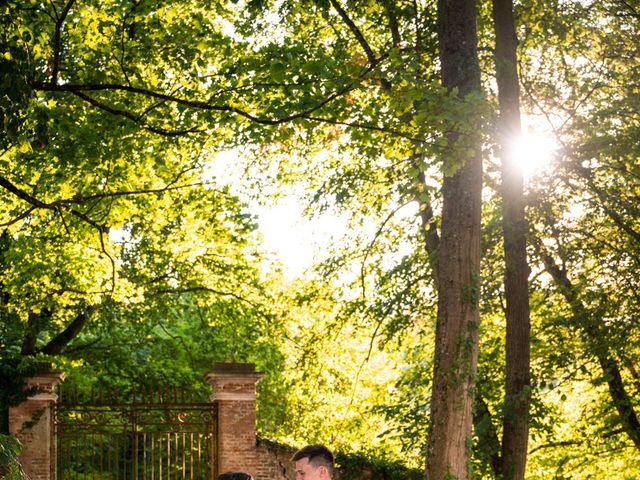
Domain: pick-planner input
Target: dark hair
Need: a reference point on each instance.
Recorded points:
(234, 476)
(318, 455)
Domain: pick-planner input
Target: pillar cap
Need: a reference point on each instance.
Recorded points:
(45, 382)
(234, 381)
(234, 368)
(234, 373)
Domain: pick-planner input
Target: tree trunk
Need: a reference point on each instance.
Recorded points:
(456, 353)
(517, 389)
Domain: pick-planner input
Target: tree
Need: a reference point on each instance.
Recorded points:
(584, 223)
(107, 230)
(110, 110)
(459, 262)
(518, 383)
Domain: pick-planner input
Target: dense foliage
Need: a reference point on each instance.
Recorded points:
(123, 258)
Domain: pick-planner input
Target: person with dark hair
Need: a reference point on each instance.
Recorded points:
(313, 462)
(234, 476)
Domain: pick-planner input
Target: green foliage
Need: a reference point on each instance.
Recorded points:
(9, 451)
(111, 112)
(354, 466)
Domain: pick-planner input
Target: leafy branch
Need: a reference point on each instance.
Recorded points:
(80, 89)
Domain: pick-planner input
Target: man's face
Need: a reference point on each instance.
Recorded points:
(306, 471)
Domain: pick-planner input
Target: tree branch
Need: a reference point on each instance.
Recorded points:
(371, 58)
(137, 119)
(55, 67)
(389, 8)
(202, 288)
(125, 193)
(21, 216)
(429, 229)
(79, 89)
(369, 247)
(365, 126)
(55, 206)
(80, 200)
(596, 338)
(57, 343)
(632, 10)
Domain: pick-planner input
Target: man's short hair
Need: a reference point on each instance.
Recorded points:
(318, 455)
(234, 476)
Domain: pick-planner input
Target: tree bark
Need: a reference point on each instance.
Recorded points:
(72, 330)
(518, 326)
(456, 353)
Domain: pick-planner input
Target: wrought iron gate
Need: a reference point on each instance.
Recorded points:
(154, 435)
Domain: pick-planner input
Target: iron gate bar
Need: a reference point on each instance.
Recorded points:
(154, 434)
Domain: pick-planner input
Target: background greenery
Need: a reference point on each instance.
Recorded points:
(124, 260)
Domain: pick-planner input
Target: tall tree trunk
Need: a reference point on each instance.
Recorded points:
(517, 389)
(456, 353)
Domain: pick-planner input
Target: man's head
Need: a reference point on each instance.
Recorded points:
(313, 462)
(235, 476)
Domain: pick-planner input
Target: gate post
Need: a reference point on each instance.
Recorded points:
(32, 423)
(234, 396)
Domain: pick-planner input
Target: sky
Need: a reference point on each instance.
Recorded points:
(296, 240)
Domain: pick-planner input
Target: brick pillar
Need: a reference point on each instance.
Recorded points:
(32, 423)
(234, 396)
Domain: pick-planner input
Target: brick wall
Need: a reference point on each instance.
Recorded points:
(274, 464)
(236, 436)
(274, 461)
(234, 397)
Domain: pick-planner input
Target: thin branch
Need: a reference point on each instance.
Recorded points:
(429, 230)
(22, 194)
(56, 207)
(40, 204)
(356, 32)
(365, 126)
(78, 89)
(55, 67)
(202, 288)
(135, 119)
(125, 193)
(180, 338)
(632, 10)
(64, 222)
(373, 241)
(389, 8)
(120, 59)
(564, 443)
(82, 347)
(23, 215)
(567, 443)
(111, 260)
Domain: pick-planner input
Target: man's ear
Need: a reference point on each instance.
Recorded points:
(324, 472)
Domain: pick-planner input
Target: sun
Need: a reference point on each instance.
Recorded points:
(533, 151)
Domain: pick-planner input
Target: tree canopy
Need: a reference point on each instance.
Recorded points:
(122, 257)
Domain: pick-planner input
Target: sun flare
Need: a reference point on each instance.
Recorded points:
(533, 152)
